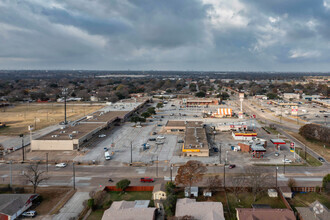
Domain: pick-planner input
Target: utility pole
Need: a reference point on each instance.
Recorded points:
(157, 167)
(171, 170)
(276, 175)
(47, 162)
(284, 165)
(11, 175)
(74, 176)
(224, 176)
(22, 136)
(305, 152)
(220, 153)
(131, 154)
(65, 92)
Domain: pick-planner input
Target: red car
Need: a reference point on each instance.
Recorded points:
(147, 179)
(231, 166)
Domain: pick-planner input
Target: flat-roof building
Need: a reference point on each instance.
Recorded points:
(195, 143)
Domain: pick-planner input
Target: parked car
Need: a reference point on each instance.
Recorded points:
(180, 141)
(61, 165)
(105, 149)
(146, 180)
(231, 166)
(287, 161)
(321, 159)
(162, 116)
(102, 135)
(154, 133)
(171, 114)
(138, 126)
(195, 116)
(160, 137)
(152, 139)
(31, 213)
(277, 154)
(215, 149)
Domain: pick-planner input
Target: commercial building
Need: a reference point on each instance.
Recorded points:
(289, 96)
(264, 213)
(247, 136)
(13, 205)
(223, 112)
(199, 210)
(199, 102)
(73, 135)
(195, 143)
(175, 126)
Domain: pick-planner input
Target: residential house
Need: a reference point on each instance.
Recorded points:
(315, 211)
(129, 210)
(286, 191)
(13, 205)
(159, 194)
(199, 210)
(264, 213)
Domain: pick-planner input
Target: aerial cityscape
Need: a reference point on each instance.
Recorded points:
(154, 110)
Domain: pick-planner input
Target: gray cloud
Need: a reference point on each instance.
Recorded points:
(187, 34)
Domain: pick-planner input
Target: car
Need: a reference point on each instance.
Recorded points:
(321, 159)
(171, 114)
(152, 139)
(215, 149)
(102, 135)
(277, 154)
(173, 105)
(195, 116)
(162, 116)
(180, 141)
(105, 149)
(147, 180)
(287, 161)
(31, 213)
(61, 165)
(138, 126)
(231, 166)
(160, 137)
(154, 133)
(184, 115)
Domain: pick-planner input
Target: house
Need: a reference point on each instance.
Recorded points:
(129, 210)
(193, 191)
(159, 194)
(316, 211)
(199, 210)
(264, 213)
(286, 191)
(13, 205)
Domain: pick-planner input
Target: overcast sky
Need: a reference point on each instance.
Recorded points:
(255, 35)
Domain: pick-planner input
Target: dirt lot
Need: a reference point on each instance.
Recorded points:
(19, 117)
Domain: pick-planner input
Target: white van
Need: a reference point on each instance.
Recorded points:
(107, 155)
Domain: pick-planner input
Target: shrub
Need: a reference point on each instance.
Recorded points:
(123, 184)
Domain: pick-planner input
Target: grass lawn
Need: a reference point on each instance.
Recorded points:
(246, 200)
(273, 131)
(119, 196)
(309, 159)
(304, 199)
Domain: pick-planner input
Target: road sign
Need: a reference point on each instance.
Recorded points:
(292, 144)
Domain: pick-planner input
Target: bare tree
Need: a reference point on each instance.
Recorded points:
(214, 183)
(238, 184)
(258, 179)
(292, 183)
(34, 175)
(191, 172)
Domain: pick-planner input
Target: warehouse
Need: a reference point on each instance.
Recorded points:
(199, 102)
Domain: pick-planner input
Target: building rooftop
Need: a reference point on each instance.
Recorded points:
(101, 116)
(159, 187)
(316, 211)
(11, 203)
(269, 214)
(195, 138)
(199, 210)
(176, 124)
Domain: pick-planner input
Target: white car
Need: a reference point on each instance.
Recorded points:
(138, 126)
(61, 165)
(29, 213)
(102, 135)
(160, 137)
(287, 161)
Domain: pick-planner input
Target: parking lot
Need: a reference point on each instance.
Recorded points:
(166, 148)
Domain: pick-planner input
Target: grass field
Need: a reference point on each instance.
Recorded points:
(309, 159)
(316, 146)
(119, 196)
(304, 199)
(20, 116)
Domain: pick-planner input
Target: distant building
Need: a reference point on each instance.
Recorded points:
(94, 99)
(13, 205)
(269, 214)
(315, 211)
(199, 210)
(195, 143)
(199, 102)
(223, 112)
(129, 210)
(291, 96)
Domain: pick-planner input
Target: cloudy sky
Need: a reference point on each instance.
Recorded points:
(256, 35)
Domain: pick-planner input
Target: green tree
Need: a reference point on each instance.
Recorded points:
(151, 110)
(200, 94)
(169, 204)
(159, 105)
(123, 184)
(272, 95)
(326, 182)
(145, 114)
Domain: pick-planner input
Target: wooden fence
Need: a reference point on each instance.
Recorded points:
(130, 188)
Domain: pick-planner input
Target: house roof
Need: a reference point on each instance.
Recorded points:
(159, 187)
(285, 189)
(129, 210)
(199, 210)
(11, 203)
(269, 214)
(316, 211)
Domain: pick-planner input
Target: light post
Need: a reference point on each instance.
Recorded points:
(220, 153)
(74, 176)
(65, 92)
(171, 170)
(226, 157)
(131, 154)
(284, 165)
(22, 136)
(325, 119)
(157, 167)
(47, 162)
(276, 175)
(224, 176)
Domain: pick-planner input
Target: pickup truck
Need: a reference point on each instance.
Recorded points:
(147, 179)
(107, 155)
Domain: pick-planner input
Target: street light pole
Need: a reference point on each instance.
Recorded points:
(131, 153)
(284, 165)
(276, 175)
(74, 176)
(11, 175)
(171, 170)
(220, 153)
(224, 176)
(47, 162)
(157, 167)
(22, 136)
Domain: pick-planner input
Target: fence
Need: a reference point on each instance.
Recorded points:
(130, 188)
(307, 189)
